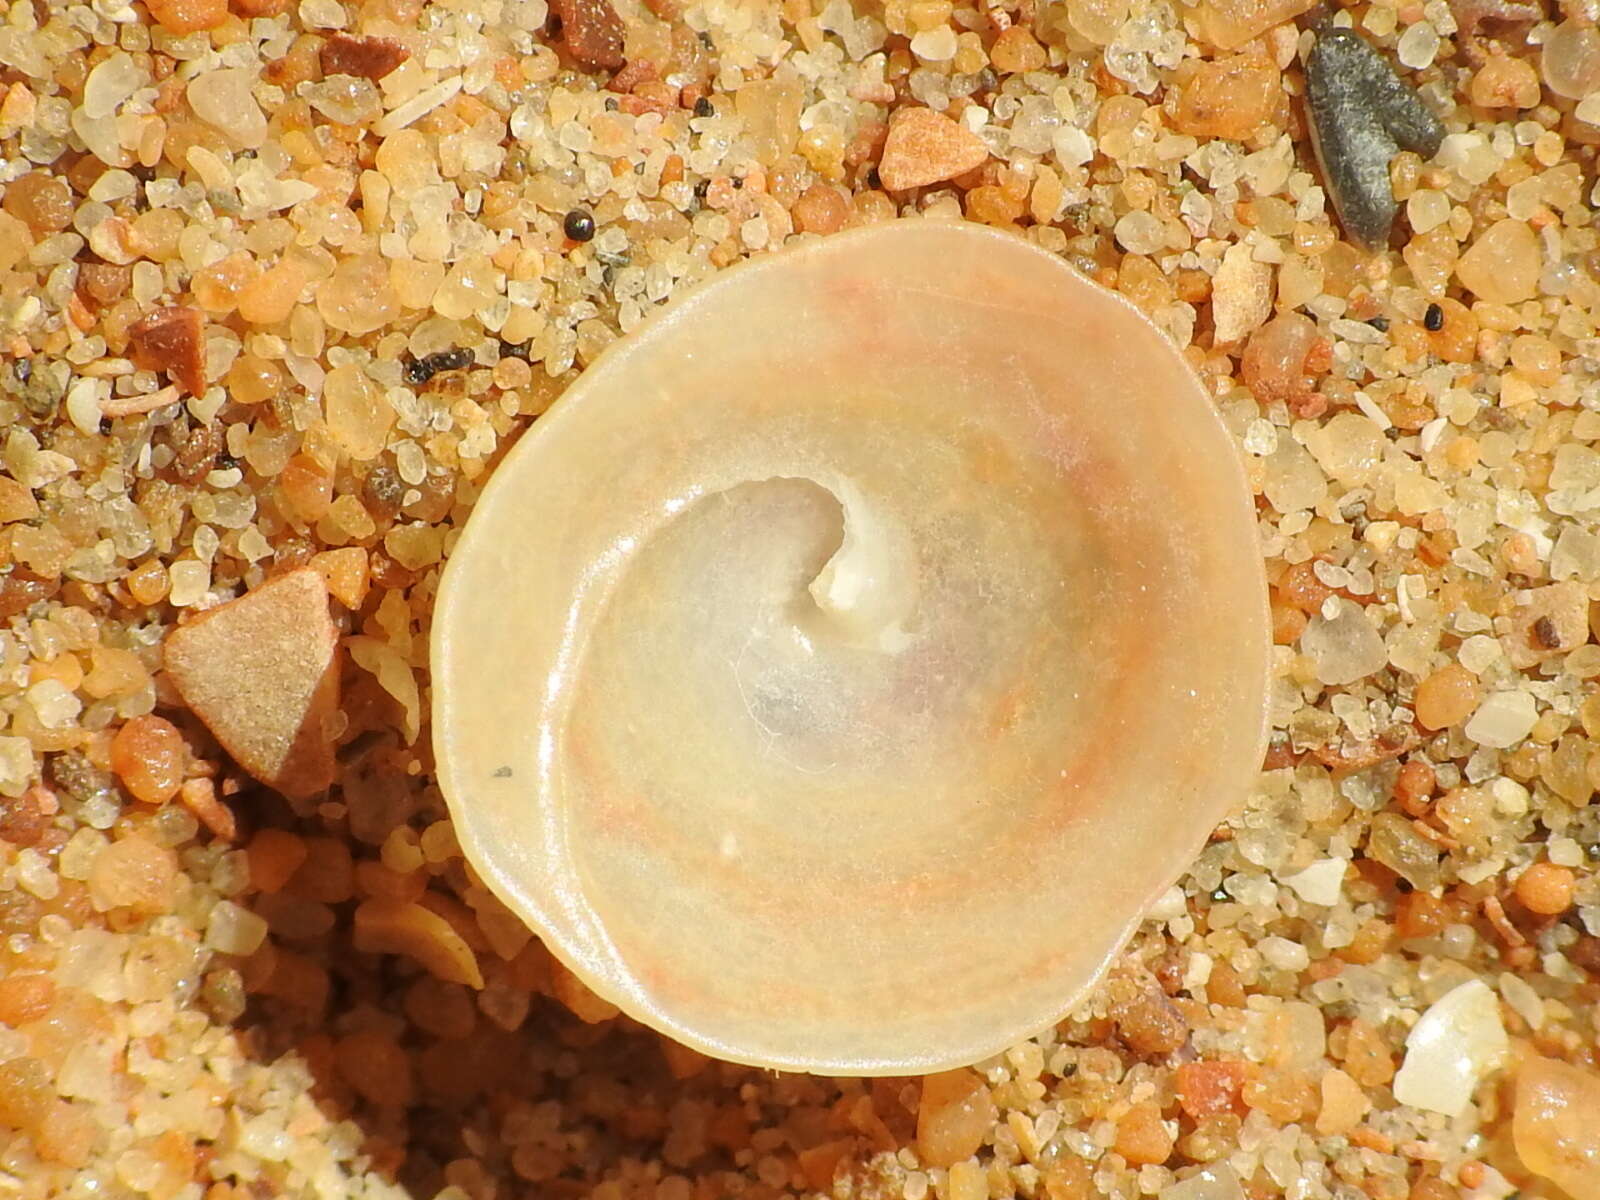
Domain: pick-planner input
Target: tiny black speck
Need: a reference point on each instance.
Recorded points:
(578, 225)
(516, 350)
(705, 40)
(1381, 324)
(704, 108)
(701, 188)
(502, 773)
(1433, 319)
(611, 104)
(417, 370)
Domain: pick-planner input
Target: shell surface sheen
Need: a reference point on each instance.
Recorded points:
(840, 668)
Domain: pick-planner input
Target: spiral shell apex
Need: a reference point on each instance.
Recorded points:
(839, 669)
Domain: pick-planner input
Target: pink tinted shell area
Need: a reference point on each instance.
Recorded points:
(897, 903)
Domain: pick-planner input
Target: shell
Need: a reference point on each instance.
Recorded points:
(834, 675)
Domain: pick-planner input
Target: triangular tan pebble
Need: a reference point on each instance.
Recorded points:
(926, 147)
(260, 672)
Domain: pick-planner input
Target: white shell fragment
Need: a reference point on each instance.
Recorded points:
(1452, 1046)
(841, 668)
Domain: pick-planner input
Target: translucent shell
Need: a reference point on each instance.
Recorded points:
(842, 666)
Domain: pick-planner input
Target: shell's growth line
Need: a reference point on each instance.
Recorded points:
(841, 667)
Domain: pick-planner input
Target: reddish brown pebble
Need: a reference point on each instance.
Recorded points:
(1206, 1089)
(260, 671)
(592, 32)
(148, 755)
(926, 147)
(1146, 1020)
(172, 340)
(635, 72)
(368, 57)
(23, 819)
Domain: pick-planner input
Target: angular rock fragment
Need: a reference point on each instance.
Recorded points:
(1362, 114)
(926, 147)
(172, 340)
(592, 33)
(369, 57)
(1241, 294)
(261, 672)
(1451, 1048)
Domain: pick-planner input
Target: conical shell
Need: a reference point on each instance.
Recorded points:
(840, 668)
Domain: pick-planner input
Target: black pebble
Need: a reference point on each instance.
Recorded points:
(578, 225)
(1362, 114)
(703, 108)
(1433, 319)
(421, 370)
